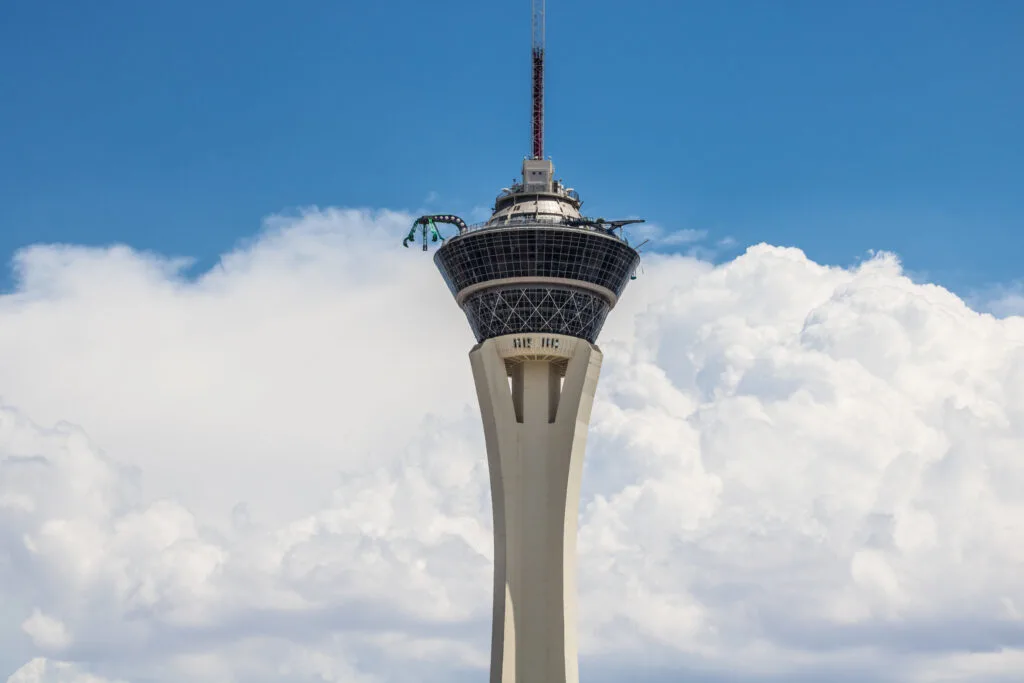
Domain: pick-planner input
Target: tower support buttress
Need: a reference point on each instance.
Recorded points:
(535, 392)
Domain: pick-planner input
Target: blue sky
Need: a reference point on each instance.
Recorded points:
(837, 127)
(218, 481)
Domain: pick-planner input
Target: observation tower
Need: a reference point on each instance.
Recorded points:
(536, 282)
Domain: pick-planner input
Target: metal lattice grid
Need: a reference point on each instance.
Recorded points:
(553, 310)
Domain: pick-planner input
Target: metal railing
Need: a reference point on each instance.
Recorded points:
(535, 219)
(519, 188)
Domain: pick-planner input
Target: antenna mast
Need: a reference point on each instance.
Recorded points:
(538, 79)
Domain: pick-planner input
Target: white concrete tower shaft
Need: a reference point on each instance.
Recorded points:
(535, 392)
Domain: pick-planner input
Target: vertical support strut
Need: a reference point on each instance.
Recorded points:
(538, 79)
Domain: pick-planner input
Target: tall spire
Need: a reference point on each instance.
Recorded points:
(538, 79)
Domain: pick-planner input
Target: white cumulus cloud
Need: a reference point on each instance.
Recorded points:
(46, 632)
(276, 471)
(1003, 300)
(41, 670)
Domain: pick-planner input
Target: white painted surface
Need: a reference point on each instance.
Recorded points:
(536, 430)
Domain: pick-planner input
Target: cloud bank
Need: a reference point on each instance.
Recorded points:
(275, 471)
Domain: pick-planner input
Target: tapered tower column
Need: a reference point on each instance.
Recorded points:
(535, 393)
(536, 283)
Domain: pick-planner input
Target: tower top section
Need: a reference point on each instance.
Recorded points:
(537, 266)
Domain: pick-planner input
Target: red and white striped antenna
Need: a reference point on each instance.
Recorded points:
(538, 79)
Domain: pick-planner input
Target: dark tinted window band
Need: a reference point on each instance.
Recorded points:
(542, 251)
